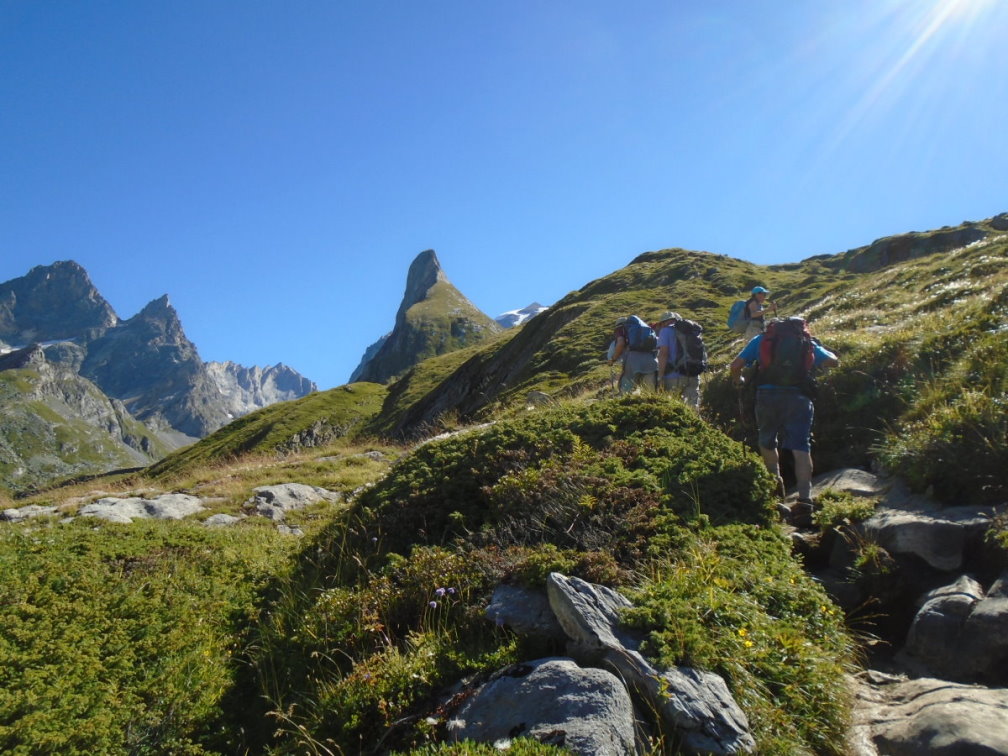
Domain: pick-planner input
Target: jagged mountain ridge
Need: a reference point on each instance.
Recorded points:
(433, 318)
(144, 365)
(561, 351)
(247, 389)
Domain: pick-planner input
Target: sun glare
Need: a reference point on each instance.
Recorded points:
(923, 38)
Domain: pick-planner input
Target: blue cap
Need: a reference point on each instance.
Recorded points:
(760, 290)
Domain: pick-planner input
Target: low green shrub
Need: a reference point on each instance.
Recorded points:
(125, 638)
(733, 601)
(841, 508)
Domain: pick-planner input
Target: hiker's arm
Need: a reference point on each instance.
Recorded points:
(736, 369)
(662, 362)
(620, 343)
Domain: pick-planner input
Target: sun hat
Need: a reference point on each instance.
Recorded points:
(669, 315)
(760, 290)
(621, 320)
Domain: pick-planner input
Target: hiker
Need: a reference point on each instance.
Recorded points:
(755, 311)
(786, 356)
(635, 347)
(674, 375)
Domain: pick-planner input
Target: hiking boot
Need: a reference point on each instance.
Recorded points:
(801, 513)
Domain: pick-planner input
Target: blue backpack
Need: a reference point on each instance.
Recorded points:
(737, 317)
(640, 336)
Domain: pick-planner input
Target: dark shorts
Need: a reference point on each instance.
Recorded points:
(784, 419)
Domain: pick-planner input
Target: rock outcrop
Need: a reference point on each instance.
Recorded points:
(434, 318)
(895, 716)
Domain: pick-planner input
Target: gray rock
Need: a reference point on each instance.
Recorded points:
(852, 480)
(984, 647)
(172, 506)
(934, 634)
(936, 537)
(26, 513)
(898, 717)
(276, 501)
(525, 611)
(553, 700)
(697, 705)
(222, 520)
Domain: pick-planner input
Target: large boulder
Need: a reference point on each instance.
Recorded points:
(935, 633)
(587, 711)
(938, 538)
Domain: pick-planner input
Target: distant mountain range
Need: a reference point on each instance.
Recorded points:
(63, 338)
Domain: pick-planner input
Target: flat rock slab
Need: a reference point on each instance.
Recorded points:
(26, 513)
(898, 717)
(276, 501)
(173, 506)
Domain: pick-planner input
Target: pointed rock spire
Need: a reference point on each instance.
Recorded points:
(433, 318)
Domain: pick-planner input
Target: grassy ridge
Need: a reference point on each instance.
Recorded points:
(314, 420)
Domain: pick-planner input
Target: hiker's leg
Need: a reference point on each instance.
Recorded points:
(770, 407)
(772, 462)
(796, 436)
(691, 391)
(803, 473)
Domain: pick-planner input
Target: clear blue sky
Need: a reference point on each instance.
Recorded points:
(275, 166)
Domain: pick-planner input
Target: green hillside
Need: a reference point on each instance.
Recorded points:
(63, 427)
(312, 421)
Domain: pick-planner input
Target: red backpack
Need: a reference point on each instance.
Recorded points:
(786, 354)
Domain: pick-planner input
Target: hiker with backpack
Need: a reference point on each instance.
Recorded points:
(755, 311)
(635, 346)
(786, 357)
(682, 357)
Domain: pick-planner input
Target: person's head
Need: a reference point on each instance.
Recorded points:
(667, 317)
(620, 322)
(760, 293)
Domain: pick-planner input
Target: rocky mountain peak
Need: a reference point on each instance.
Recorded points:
(424, 272)
(52, 302)
(433, 318)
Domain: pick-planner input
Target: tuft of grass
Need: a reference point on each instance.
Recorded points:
(842, 508)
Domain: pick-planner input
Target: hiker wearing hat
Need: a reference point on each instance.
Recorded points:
(635, 347)
(756, 309)
(671, 377)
